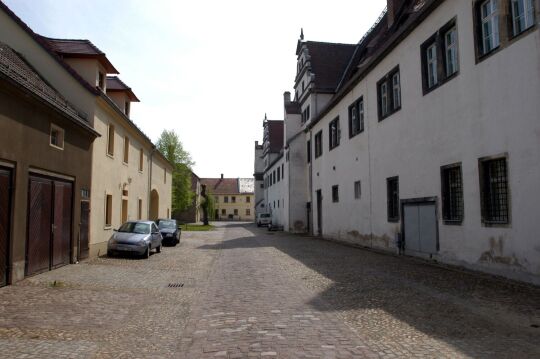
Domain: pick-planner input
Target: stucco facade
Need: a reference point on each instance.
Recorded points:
(485, 112)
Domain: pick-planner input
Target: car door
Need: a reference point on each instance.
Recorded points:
(156, 236)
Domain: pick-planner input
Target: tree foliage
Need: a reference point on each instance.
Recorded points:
(171, 147)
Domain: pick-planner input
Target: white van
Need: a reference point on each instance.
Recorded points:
(264, 219)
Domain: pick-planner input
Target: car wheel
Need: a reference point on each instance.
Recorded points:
(158, 249)
(147, 253)
(109, 253)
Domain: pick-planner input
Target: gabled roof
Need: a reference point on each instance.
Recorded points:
(275, 133)
(14, 68)
(293, 108)
(114, 84)
(328, 62)
(79, 48)
(221, 185)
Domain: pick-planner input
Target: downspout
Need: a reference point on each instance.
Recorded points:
(366, 123)
(150, 160)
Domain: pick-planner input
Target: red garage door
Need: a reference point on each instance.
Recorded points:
(49, 224)
(5, 185)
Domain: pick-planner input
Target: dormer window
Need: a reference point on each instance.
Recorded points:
(101, 80)
(126, 108)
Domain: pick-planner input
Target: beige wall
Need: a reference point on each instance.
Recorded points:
(241, 205)
(162, 183)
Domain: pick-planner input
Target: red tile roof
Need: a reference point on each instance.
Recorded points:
(275, 130)
(75, 48)
(221, 185)
(114, 84)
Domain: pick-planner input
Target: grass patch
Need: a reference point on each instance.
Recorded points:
(197, 228)
(57, 284)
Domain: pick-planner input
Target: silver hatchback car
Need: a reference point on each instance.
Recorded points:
(138, 237)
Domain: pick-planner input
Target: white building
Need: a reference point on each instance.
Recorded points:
(428, 141)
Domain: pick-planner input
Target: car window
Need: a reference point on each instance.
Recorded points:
(135, 227)
(154, 228)
(167, 224)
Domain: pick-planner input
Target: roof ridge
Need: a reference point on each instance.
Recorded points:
(328, 43)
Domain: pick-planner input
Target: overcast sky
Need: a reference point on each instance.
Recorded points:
(209, 70)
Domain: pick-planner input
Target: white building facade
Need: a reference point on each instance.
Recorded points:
(429, 143)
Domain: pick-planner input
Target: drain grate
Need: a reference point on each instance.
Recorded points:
(175, 285)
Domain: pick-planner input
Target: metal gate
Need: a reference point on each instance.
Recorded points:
(5, 216)
(49, 224)
(420, 227)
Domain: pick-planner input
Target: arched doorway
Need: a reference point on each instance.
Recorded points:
(154, 205)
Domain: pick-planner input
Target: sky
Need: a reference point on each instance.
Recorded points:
(209, 70)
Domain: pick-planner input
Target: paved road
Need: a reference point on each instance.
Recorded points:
(250, 293)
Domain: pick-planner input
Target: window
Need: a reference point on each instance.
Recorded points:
(126, 149)
(223, 212)
(440, 57)
(126, 108)
(356, 117)
(522, 15)
(306, 114)
(236, 212)
(233, 199)
(278, 203)
(108, 210)
(494, 189)
(226, 199)
(335, 193)
(489, 22)
(248, 212)
(216, 199)
(389, 94)
(139, 209)
(318, 144)
(274, 176)
(141, 160)
(452, 193)
(248, 199)
(334, 133)
(278, 174)
(392, 190)
(282, 171)
(110, 140)
(357, 190)
(431, 58)
(56, 137)
(309, 151)
(101, 80)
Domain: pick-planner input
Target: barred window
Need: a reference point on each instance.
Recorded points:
(494, 189)
(452, 193)
(392, 188)
(335, 193)
(357, 189)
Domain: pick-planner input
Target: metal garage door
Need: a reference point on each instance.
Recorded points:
(5, 185)
(49, 224)
(420, 227)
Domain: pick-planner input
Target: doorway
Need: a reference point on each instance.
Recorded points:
(319, 213)
(124, 215)
(49, 224)
(154, 205)
(5, 218)
(420, 226)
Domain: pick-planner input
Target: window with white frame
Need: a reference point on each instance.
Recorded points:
(396, 90)
(431, 59)
(389, 94)
(56, 137)
(522, 15)
(384, 99)
(489, 16)
(334, 133)
(451, 53)
(356, 117)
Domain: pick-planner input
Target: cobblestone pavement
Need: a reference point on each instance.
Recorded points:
(253, 293)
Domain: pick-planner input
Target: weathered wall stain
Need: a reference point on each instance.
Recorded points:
(495, 254)
(370, 240)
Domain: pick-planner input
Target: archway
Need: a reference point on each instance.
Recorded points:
(154, 205)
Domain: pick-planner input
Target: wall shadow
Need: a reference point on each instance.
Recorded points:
(480, 315)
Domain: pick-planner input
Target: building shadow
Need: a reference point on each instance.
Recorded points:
(478, 314)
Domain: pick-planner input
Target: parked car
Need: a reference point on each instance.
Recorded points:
(263, 219)
(170, 231)
(138, 237)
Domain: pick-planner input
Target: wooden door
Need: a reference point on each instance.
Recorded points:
(84, 230)
(38, 248)
(5, 216)
(61, 243)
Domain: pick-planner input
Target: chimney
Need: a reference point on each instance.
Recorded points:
(287, 97)
(393, 8)
(222, 176)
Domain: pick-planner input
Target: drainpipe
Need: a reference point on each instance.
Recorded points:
(150, 160)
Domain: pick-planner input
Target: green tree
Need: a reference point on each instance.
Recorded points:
(171, 147)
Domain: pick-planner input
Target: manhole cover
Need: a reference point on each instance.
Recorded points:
(175, 285)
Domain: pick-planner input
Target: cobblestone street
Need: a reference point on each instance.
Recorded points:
(250, 293)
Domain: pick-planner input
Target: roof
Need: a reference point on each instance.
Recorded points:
(48, 49)
(16, 69)
(275, 133)
(293, 108)
(114, 84)
(328, 62)
(229, 185)
(79, 48)
(377, 43)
